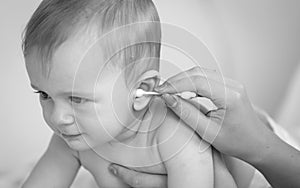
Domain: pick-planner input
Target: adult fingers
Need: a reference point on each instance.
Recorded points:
(200, 105)
(226, 82)
(193, 72)
(209, 74)
(138, 179)
(212, 90)
(187, 112)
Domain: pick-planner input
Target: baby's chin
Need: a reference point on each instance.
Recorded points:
(79, 143)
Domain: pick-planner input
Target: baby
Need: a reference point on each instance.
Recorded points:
(86, 59)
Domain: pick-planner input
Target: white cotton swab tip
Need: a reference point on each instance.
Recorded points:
(141, 92)
(184, 95)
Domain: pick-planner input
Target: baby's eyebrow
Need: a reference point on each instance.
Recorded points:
(78, 93)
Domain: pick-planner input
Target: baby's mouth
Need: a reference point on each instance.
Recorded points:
(70, 135)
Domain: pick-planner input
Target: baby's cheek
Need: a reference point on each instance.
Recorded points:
(46, 116)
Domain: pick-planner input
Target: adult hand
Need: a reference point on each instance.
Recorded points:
(233, 128)
(137, 179)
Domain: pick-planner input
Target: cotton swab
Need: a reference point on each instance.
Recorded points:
(185, 95)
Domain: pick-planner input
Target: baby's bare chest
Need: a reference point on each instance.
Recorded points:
(145, 159)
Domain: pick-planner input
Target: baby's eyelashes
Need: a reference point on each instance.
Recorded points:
(73, 99)
(77, 100)
(43, 95)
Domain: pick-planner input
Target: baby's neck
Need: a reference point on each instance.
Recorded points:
(150, 120)
(138, 141)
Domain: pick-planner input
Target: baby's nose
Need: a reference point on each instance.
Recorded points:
(62, 116)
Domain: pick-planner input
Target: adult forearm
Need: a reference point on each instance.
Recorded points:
(280, 163)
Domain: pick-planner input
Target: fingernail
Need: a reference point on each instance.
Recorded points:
(170, 100)
(113, 170)
(161, 87)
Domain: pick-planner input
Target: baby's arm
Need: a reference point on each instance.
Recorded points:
(186, 165)
(57, 167)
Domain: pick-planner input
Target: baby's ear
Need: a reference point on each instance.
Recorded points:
(147, 82)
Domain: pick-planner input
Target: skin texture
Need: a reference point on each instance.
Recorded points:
(257, 144)
(83, 94)
(90, 110)
(76, 99)
(77, 93)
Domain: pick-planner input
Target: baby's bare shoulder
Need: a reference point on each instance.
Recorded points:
(174, 128)
(174, 136)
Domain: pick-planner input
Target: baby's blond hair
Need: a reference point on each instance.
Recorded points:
(55, 21)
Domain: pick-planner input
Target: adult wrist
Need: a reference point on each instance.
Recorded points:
(268, 149)
(265, 145)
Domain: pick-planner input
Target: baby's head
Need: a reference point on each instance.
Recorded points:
(86, 58)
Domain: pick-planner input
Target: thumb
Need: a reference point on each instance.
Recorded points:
(138, 179)
(193, 117)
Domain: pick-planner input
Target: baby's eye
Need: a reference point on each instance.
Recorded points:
(76, 100)
(43, 95)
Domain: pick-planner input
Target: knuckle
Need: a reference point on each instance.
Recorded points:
(185, 113)
(136, 181)
(197, 80)
(231, 98)
(241, 94)
(235, 97)
(197, 69)
(239, 88)
(194, 79)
